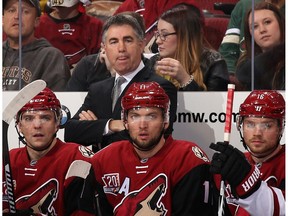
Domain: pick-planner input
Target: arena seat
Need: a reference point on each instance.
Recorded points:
(221, 7)
(102, 9)
(214, 30)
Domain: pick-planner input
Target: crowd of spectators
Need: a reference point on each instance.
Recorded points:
(190, 62)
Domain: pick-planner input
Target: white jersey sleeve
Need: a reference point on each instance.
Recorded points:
(262, 201)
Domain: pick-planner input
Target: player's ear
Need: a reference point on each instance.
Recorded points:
(166, 124)
(36, 22)
(125, 125)
(19, 127)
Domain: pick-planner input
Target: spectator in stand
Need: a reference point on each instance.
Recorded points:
(98, 122)
(95, 67)
(269, 49)
(38, 59)
(256, 178)
(233, 43)
(151, 16)
(75, 33)
(50, 176)
(153, 12)
(183, 58)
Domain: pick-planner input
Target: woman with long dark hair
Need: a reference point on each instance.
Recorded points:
(184, 56)
(269, 49)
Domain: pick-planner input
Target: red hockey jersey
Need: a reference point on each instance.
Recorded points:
(75, 37)
(40, 185)
(273, 173)
(176, 180)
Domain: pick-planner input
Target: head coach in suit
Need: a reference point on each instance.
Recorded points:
(97, 123)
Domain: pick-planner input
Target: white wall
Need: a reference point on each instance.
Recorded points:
(207, 104)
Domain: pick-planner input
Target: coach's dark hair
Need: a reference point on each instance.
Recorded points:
(123, 19)
(138, 17)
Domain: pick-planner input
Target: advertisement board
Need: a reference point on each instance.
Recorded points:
(200, 116)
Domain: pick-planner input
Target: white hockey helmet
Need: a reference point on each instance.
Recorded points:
(63, 3)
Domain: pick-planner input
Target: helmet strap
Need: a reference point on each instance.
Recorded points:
(243, 141)
(22, 139)
(256, 156)
(150, 147)
(263, 156)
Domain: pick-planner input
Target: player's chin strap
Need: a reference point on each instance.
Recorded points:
(145, 149)
(22, 139)
(263, 156)
(85, 2)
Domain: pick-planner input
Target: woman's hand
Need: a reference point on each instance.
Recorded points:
(173, 68)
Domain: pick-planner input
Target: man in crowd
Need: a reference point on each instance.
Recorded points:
(38, 59)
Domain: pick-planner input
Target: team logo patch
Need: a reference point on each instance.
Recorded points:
(199, 153)
(112, 183)
(66, 29)
(86, 152)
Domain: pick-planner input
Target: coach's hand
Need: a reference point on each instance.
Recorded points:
(234, 167)
(87, 115)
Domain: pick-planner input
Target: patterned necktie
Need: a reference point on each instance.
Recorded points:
(116, 91)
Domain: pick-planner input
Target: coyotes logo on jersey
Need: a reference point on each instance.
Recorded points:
(41, 200)
(146, 200)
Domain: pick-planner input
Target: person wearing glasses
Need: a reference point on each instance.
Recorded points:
(257, 176)
(183, 57)
(98, 121)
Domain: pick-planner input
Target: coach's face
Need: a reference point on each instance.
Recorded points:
(123, 48)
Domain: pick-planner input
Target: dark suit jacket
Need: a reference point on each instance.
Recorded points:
(99, 101)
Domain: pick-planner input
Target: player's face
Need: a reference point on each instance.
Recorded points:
(38, 127)
(11, 19)
(146, 126)
(266, 29)
(167, 47)
(261, 134)
(123, 48)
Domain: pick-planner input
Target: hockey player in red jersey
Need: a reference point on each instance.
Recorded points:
(49, 175)
(257, 182)
(148, 174)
